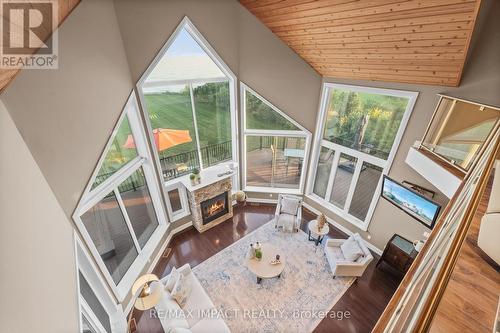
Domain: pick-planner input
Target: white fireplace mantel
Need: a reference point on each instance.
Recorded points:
(208, 177)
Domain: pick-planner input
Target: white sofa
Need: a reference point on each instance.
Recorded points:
(194, 315)
(288, 221)
(489, 232)
(342, 267)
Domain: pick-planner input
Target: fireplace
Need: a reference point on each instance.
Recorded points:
(214, 208)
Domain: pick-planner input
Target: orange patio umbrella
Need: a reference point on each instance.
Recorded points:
(164, 138)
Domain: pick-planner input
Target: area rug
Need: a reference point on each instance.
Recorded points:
(296, 302)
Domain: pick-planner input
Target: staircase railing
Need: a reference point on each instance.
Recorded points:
(414, 303)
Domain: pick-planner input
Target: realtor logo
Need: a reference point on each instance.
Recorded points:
(29, 34)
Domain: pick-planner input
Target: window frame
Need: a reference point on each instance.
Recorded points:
(302, 133)
(87, 267)
(230, 78)
(91, 197)
(177, 215)
(319, 142)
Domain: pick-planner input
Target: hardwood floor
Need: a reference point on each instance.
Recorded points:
(364, 301)
(470, 301)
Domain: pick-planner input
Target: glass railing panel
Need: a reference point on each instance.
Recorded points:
(459, 130)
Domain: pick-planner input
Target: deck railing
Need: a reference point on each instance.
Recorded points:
(211, 155)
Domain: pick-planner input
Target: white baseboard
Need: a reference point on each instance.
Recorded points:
(155, 261)
(342, 228)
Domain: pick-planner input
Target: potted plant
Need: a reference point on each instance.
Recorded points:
(196, 173)
(192, 177)
(258, 254)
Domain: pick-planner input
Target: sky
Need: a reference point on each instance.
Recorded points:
(184, 44)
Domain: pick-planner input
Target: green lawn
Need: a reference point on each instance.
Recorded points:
(173, 110)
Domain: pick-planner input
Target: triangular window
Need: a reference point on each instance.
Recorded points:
(188, 94)
(184, 60)
(260, 115)
(276, 147)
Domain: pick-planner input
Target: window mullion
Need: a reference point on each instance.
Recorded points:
(127, 219)
(193, 109)
(352, 187)
(333, 171)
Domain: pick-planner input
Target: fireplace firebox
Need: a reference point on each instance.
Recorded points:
(214, 207)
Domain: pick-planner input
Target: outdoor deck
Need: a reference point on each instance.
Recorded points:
(362, 196)
(260, 172)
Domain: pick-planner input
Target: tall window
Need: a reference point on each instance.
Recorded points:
(120, 215)
(358, 133)
(188, 95)
(275, 147)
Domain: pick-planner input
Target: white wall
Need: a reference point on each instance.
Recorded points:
(37, 261)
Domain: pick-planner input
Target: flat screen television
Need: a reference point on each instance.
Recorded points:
(412, 203)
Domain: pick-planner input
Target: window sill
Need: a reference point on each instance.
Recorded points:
(278, 190)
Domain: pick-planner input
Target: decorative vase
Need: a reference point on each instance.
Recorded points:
(251, 253)
(321, 221)
(240, 197)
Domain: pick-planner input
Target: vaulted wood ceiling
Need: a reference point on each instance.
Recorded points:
(64, 9)
(410, 41)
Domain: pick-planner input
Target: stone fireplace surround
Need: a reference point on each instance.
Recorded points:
(210, 187)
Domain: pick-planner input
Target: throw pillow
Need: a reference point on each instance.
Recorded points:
(181, 289)
(170, 313)
(351, 250)
(172, 279)
(178, 330)
(289, 205)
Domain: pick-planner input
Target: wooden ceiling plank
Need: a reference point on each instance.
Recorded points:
(393, 30)
(360, 9)
(417, 24)
(318, 8)
(360, 37)
(397, 65)
(413, 41)
(293, 5)
(367, 56)
(368, 44)
(394, 71)
(429, 13)
(388, 24)
(390, 50)
(476, 12)
(394, 78)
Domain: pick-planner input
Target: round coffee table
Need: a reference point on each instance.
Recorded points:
(263, 268)
(313, 228)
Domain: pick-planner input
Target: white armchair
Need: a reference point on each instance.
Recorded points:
(288, 214)
(343, 267)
